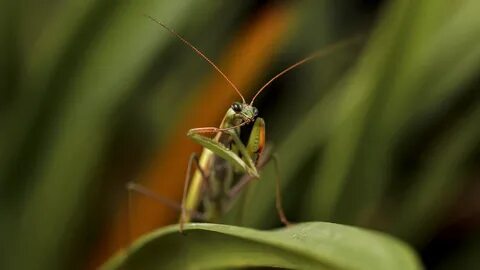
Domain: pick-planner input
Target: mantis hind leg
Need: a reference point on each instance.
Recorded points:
(240, 186)
(278, 193)
(142, 190)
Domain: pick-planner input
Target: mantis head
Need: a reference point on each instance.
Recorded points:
(246, 112)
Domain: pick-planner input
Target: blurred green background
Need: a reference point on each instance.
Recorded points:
(384, 134)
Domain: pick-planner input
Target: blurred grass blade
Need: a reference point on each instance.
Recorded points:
(401, 95)
(352, 114)
(77, 134)
(302, 246)
(439, 183)
(45, 63)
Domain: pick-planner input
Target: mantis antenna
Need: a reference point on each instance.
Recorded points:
(320, 53)
(200, 54)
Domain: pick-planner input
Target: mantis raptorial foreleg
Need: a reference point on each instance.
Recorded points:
(249, 156)
(244, 163)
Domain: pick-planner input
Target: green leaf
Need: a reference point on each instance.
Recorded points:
(315, 245)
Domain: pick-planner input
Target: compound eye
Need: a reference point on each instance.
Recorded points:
(237, 107)
(255, 111)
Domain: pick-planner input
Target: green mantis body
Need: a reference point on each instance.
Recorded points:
(210, 186)
(227, 145)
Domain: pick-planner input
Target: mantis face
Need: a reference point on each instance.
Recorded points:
(247, 113)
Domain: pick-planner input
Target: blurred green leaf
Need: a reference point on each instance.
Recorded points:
(439, 182)
(352, 114)
(302, 246)
(76, 135)
(409, 88)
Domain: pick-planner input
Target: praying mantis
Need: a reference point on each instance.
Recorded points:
(212, 186)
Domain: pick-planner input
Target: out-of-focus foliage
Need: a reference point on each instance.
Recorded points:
(383, 135)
